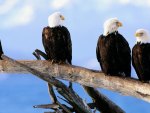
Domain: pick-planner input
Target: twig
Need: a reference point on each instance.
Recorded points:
(63, 99)
(53, 97)
(94, 111)
(51, 93)
(47, 106)
(64, 107)
(58, 111)
(42, 54)
(50, 87)
(56, 106)
(49, 112)
(37, 56)
(53, 106)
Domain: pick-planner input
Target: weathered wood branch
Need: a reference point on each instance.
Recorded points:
(51, 93)
(55, 106)
(50, 87)
(87, 77)
(41, 53)
(37, 54)
(47, 106)
(102, 103)
(69, 94)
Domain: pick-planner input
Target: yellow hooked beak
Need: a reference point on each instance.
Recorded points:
(137, 35)
(119, 24)
(62, 17)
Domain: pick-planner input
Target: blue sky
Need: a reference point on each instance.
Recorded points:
(21, 24)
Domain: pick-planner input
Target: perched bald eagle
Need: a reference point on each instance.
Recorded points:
(1, 50)
(141, 55)
(56, 40)
(113, 51)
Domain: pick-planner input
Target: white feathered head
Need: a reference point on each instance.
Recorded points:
(142, 35)
(55, 19)
(111, 25)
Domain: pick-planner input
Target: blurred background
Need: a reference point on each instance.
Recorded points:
(21, 24)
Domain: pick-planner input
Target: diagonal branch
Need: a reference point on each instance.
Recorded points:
(55, 106)
(41, 53)
(87, 77)
(51, 93)
(102, 103)
(50, 87)
(69, 94)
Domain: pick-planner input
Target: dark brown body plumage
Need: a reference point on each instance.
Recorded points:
(113, 54)
(1, 50)
(141, 60)
(57, 44)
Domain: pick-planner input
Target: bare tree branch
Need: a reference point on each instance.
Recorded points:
(102, 103)
(63, 99)
(51, 93)
(53, 97)
(37, 56)
(47, 106)
(87, 77)
(69, 94)
(39, 52)
(50, 87)
(58, 111)
(49, 112)
(56, 106)
(64, 107)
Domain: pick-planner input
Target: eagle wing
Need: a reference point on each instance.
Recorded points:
(137, 60)
(68, 44)
(141, 60)
(46, 34)
(1, 50)
(124, 55)
(98, 51)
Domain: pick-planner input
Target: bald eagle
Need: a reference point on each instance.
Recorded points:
(1, 50)
(56, 40)
(141, 55)
(113, 51)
